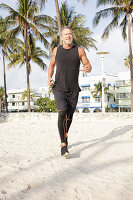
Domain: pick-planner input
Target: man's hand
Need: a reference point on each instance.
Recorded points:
(86, 64)
(50, 82)
(87, 68)
(51, 67)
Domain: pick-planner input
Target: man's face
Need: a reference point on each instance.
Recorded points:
(67, 36)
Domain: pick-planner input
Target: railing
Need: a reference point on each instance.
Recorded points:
(123, 95)
(123, 83)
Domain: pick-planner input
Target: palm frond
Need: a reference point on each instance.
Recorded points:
(39, 35)
(108, 12)
(105, 2)
(123, 26)
(110, 27)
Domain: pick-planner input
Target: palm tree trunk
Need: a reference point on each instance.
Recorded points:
(0, 104)
(130, 53)
(27, 66)
(58, 18)
(4, 70)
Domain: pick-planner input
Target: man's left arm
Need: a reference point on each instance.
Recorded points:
(86, 64)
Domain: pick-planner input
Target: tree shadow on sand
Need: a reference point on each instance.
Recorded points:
(115, 133)
(3, 117)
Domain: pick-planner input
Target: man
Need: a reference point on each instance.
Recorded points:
(66, 89)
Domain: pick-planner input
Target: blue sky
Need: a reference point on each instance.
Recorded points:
(117, 48)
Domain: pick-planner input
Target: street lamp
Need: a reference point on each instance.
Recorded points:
(102, 53)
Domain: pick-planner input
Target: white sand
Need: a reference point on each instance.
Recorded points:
(100, 166)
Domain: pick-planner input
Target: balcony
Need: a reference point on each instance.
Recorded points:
(123, 95)
(122, 83)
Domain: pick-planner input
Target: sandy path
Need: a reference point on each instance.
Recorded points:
(100, 166)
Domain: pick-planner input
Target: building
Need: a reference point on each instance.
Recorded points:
(17, 104)
(86, 101)
(119, 86)
(123, 92)
(46, 93)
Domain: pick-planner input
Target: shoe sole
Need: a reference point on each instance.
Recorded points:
(66, 155)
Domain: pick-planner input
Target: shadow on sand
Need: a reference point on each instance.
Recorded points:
(3, 117)
(115, 133)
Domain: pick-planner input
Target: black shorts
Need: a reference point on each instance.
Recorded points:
(65, 100)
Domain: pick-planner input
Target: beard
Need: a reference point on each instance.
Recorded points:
(68, 41)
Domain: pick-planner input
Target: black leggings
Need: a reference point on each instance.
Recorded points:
(64, 122)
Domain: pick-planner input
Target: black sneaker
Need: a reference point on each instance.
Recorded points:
(64, 151)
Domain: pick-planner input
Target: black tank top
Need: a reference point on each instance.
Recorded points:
(67, 69)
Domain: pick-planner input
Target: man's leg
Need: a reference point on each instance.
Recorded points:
(62, 117)
(62, 120)
(69, 117)
(72, 102)
(61, 104)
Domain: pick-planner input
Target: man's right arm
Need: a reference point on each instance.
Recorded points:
(51, 67)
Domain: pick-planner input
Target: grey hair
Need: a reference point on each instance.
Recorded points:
(65, 27)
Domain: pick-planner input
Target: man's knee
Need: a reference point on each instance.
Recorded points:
(62, 113)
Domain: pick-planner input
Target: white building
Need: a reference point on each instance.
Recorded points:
(86, 102)
(45, 92)
(123, 91)
(15, 102)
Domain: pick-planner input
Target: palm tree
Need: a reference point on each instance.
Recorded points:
(25, 20)
(17, 55)
(43, 2)
(58, 18)
(1, 97)
(98, 91)
(119, 10)
(24, 95)
(127, 61)
(3, 34)
(76, 22)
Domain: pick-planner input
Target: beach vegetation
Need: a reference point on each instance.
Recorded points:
(46, 105)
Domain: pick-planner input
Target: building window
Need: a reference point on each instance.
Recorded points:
(120, 83)
(13, 96)
(13, 104)
(23, 103)
(85, 88)
(123, 95)
(84, 74)
(108, 98)
(85, 99)
(97, 99)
